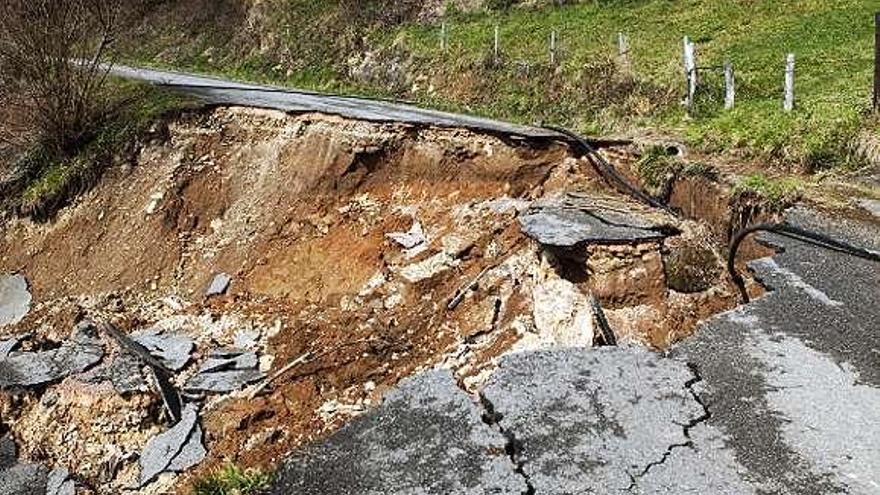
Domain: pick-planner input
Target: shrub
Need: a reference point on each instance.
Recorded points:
(232, 480)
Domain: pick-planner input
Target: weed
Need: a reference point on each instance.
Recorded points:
(55, 179)
(657, 167)
(778, 193)
(232, 480)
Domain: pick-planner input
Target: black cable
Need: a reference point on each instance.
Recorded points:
(792, 232)
(607, 334)
(608, 172)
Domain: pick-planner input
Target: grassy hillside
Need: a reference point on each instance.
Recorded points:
(321, 45)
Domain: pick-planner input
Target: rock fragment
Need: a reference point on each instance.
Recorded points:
(173, 350)
(59, 483)
(9, 344)
(15, 299)
(125, 372)
(225, 371)
(572, 221)
(427, 268)
(219, 285)
(174, 450)
(408, 240)
(30, 479)
(563, 315)
(28, 369)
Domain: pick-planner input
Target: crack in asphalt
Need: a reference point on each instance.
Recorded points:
(686, 428)
(513, 448)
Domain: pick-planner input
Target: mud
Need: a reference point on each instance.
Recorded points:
(297, 210)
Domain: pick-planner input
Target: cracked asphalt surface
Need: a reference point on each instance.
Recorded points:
(778, 396)
(223, 92)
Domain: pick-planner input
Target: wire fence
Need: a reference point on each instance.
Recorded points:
(702, 85)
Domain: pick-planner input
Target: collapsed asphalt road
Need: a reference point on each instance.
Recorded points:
(778, 396)
(223, 92)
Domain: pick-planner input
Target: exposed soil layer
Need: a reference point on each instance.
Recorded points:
(297, 209)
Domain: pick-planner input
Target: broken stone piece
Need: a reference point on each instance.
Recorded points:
(246, 339)
(8, 452)
(29, 479)
(15, 299)
(224, 360)
(563, 315)
(175, 450)
(173, 350)
(427, 268)
(8, 345)
(572, 221)
(124, 372)
(28, 369)
(219, 285)
(59, 483)
(225, 371)
(411, 239)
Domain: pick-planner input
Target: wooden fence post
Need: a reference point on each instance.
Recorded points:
(497, 43)
(443, 38)
(877, 62)
(729, 86)
(690, 68)
(553, 47)
(623, 51)
(788, 104)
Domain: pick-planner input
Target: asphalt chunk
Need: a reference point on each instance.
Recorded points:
(428, 437)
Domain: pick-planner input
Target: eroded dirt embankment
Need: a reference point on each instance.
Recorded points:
(298, 210)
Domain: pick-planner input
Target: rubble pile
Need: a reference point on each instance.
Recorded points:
(277, 274)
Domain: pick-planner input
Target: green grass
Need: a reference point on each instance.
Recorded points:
(59, 178)
(778, 193)
(657, 167)
(232, 480)
(832, 40)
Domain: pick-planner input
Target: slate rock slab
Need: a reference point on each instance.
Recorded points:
(28, 369)
(125, 372)
(572, 221)
(59, 483)
(173, 350)
(15, 299)
(427, 438)
(29, 479)
(174, 450)
(9, 344)
(225, 371)
(219, 285)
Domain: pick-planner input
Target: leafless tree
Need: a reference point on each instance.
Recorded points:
(53, 65)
